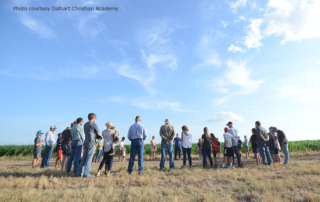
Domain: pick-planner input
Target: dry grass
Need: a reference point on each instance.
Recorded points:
(298, 181)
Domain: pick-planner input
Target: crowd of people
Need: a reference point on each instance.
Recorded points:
(76, 146)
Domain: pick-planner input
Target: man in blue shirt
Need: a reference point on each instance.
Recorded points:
(137, 134)
(177, 143)
(234, 133)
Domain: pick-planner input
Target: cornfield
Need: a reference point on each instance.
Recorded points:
(27, 150)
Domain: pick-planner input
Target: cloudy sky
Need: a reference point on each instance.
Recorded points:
(199, 63)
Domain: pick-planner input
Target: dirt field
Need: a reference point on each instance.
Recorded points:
(298, 181)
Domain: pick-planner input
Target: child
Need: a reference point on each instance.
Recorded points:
(228, 149)
(37, 149)
(239, 145)
(122, 150)
(59, 149)
(100, 146)
(219, 148)
(246, 146)
(115, 136)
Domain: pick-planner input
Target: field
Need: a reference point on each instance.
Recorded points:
(298, 181)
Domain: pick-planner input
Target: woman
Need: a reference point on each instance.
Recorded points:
(153, 149)
(199, 148)
(215, 148)
(186, 139)
(110, 136)
(246, 146)
(254, 145)
(276, 147)
(206, 148)
(122, 150)
(100, 147)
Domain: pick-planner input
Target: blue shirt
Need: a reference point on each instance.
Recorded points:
(178, 141)
(137, 131)
(234, 134)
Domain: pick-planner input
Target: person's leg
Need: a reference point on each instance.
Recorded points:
(268, 155)
(278, 158)
(77, 156)
(72, 155)
(215, 158)
(83, 160)
(259, 158)
(263, 154)
(104, 160)
(140, 156)
(163, 154)
(184, 150)
(132, 155)
(110, 162)
(49, 156)
(170, 151)
(209, 156)
(189, 156)
(89, 161)
(233, 152)
(45, 156)
(179, 150)
(236, 151)
(284, 148)
(204, 153)
(175, 152)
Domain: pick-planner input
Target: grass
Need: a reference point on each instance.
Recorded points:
(298, 181)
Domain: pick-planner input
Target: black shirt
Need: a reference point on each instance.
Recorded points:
(239, 144)
(206, 143)
(59, 146)
(253, 139)
(281, 135)
(67, 138)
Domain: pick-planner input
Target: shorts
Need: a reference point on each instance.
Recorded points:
(66, 150)
(239, 147)
(228, 152)
(59, 154)
(214, 154)
(255, 150)
(246, 147)
(276, 151)
(36, 155)
(271, 152)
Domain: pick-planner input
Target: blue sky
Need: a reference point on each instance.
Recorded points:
(199, 63)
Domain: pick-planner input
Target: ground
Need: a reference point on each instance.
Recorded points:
(298, 181)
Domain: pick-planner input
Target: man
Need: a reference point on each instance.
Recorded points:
(66, 146)
(283, 141)
(91, 130)
(50, 141)
(137, 134)
(177, 144)
(234, 133)
(166, 134)
(262, 139)
(78, 138)
(229, 141)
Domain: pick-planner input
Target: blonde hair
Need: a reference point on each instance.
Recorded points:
(113, 128)
(109, 124)
(206, 132)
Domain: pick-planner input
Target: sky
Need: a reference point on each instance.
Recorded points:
(198, 63)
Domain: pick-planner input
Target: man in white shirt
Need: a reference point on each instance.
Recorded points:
(229, 141)
(50, 141)
(234, 133)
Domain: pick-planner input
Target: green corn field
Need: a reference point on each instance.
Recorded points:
(27, 150)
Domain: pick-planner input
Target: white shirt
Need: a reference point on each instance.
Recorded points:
(186, 139)
(234, 133)
(228, 138)
(49, 139)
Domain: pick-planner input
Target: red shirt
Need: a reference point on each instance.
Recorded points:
(216, 144)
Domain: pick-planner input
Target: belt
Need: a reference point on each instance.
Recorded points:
(76, 140)
(138, 139)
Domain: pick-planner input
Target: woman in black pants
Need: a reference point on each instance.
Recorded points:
(206, 148)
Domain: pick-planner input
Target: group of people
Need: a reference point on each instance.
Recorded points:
(76, 145)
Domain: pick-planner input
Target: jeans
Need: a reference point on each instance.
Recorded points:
(235, 150)
(85, 166)
(187, 150)
(98, 155)
(264, 152)
(136, 146)
(285, 150)
(107, 159)
(207, 152)
(75, 155)
(177, 150)
(164, 147)
(46, 157)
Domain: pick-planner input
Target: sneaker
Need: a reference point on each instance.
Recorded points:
(98, 174)
(140, 173)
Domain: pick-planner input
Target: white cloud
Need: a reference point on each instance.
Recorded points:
(224, 23)
(153, 59)
(224, 117)
(158, 104)
(40, 28)
(236, 4)
(233, 48)
(254, 34)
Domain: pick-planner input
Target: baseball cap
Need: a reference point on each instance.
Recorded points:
(39, 132)
(226, 129)
(53, 126)
(229, 123)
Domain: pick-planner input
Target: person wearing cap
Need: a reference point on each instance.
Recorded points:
(91, 131)
(283, 143)
(229, 141)
(50, 142)
(37, 149)
(262, 139)
(234, 133)
(177, 144)
(137, 134)
(167, 134)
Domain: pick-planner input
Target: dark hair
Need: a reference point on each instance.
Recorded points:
(123, 138)
(185, 128)
(91, 116)
(137, 118)
(73, 124)
(213, 137)
(79, 120)
(253, 130)
(258, 123)
(274, 129)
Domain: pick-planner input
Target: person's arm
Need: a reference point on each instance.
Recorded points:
(181, 136)
(40, 143)
(144, 133)
(233, 141)
(284, 139)
(225, 142)
(97, 129)
(129, 134)
(82, 136)
(190, 136)
(162, 135)
(116, 140)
